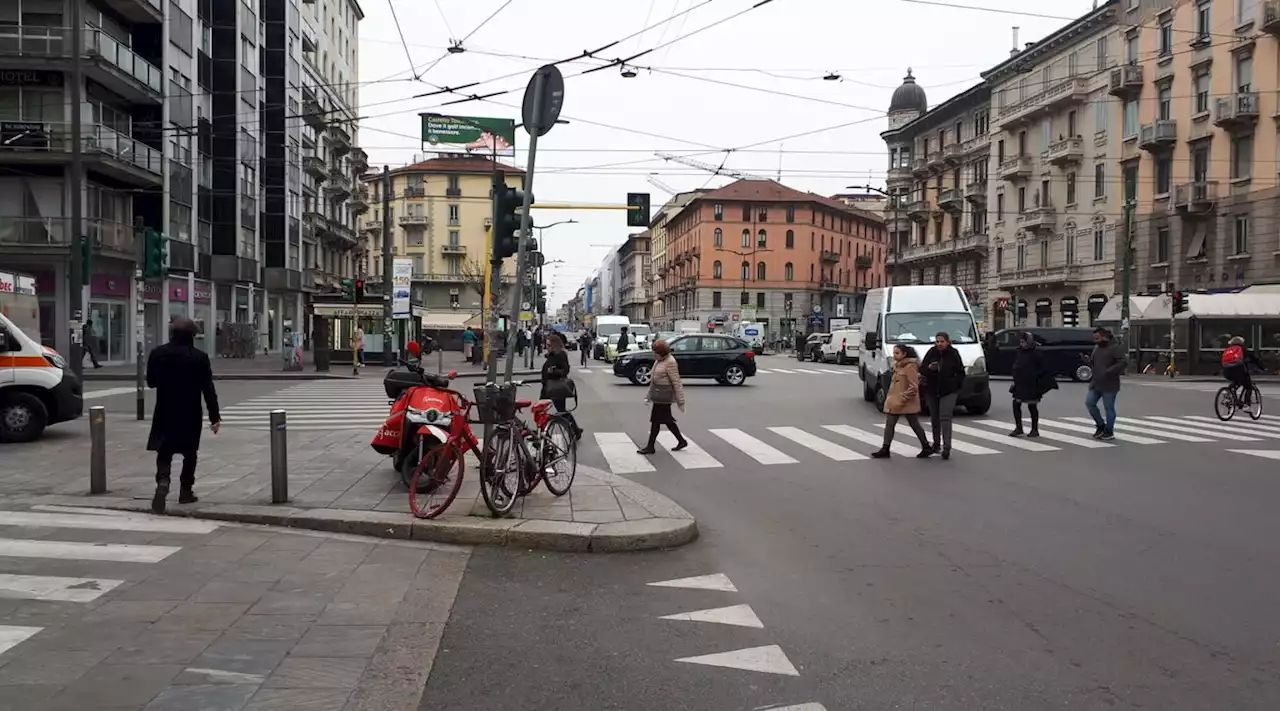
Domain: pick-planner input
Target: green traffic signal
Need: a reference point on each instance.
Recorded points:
(507, 229)
(155, 254)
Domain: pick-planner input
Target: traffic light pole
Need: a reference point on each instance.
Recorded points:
(139, 318)
(526, 219)
(388, 271)
(75, 186)
(1126, 263)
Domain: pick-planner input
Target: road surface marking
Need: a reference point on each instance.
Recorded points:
(797, 707)
(1015, 442)
(736, 615)
(779, 370)
(1124, 425)
(913, 449)
(1245, 425)
(1264, 453)
(1087, 429)
(753, 447)
(810, 372)
(834, 372)
(108, 392)
(876, 440)
(11, 636)
(691, 457)
(54, 508)
(1162, 429)
(828, 449)
(620, 452)
(51, 588)
(762, 371)
(114, 523)
(716, 581)
(1067, 439)
(769, 659)
(1221, 429)
(73, 550)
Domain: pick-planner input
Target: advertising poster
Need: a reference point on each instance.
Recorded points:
(401, 286)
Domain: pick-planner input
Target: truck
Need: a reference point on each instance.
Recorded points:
(37, 387)
(752, 333)
(688, 325)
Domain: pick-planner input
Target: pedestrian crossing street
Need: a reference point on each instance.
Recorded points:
(720, 447)
(26, 539)
(809, 370)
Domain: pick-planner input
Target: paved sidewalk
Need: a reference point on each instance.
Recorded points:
(337, 483)
(271, 368)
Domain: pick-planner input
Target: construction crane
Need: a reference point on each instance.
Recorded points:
(661, 185)
(713, 169)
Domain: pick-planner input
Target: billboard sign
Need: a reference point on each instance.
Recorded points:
(401, 285)
(469, 134)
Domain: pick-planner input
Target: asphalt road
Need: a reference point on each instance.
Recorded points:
(1139, 575)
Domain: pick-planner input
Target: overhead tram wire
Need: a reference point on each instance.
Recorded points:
(396, 18)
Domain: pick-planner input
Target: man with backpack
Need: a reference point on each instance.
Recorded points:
(1235, 367)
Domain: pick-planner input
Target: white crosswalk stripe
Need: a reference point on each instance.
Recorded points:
(828, 449)
(692, 456)
(1089, 430)
(752, 447)
(906, 434)
(1216, 428)
(1126, 426)
(1067, 439)
(317, 405)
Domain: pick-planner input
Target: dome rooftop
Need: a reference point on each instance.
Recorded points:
(909, 97)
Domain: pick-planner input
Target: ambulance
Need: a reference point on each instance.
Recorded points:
(37, 387)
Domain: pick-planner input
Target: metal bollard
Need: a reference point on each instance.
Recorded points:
(97, 449)
(279, 458)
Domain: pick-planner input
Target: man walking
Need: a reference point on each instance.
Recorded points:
(1108, 362)
(90, 342)
(180, 374)
(468, 343)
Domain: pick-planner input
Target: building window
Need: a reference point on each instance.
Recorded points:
(999, 207)
(717, 211)
(1071, 188)
(1022, 200)
(999, 259)
(717, 238)
(746, 238)
(1099, 180)
(1200, 162)
(746, 271)
(789, 272)
(455, 238)
(1022, 257)
(760, 271)
(1203, 25)
(1164, 102)
(1200, 88)
(791, 239)
(1044, 253)
(1241, 157)
(715, 299)
(746, 213)
(1100, 117)
(764, 214)
(760, 299)
(1241, 234)
(1071, 247)
(744, 298)
(1131, 48)
(717, 270)
(1101, 50)
(762, 240)
(1164, 174)
(1099, 244)
(791, 213)
(1162, 245)
(1166, 37)
(455, 215)
(1130, 116)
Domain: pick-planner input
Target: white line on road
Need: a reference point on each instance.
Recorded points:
(780, 370)
(1264, 453)
(1161, 429)
(620, 452)
(769, 659)
(1221, 429)
(13, 635)
(112, 523)
(1014, 442)
(108, 392)
(735, 615)
(873, 439)
(1245, 425)
(797, 707)
(1067, 439)
(762, 371)
(1089, 430)
(74, 550)
(835, 372)
(715, 581)
(53, 588)
(691, 457)
(752, 447)
(830, 450)
(958, 445)
(810, 372)
(1124, 425)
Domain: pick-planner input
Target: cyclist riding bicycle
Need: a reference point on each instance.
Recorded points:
(1235, 367)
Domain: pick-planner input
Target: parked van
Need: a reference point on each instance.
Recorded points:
(911, 315)
(1066, 351)
(37, 388)
(845, 344)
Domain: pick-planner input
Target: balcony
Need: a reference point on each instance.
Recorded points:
(1016, 168)
(359, 202)
(1066, 92)
(829, 256)
(920, 167)
(863, 262)
(415, 191)
(122, 70)
(339, 185)
(1271, 17)
(315, 167)
(1158, 135)
(416, 222)
(369, 224)
(312, 112)
(967, 242)
(145, 11)
(951, 200)
(1126, 81)
(453, 192)
(976, 193)
(453, 250)
(829, 286)
(936, 162)
(1235, 112)
(345, 235)
(976, 144)
(1066, 152)
(359, 160)
(339, 140)
(919, 211)
(899, 173)
(1045, 276)
(897, 224)
(1039, 220)
(1195, 199)
(105, 150)
(952, 154)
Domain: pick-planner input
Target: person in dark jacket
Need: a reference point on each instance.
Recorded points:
(584, 345)
(556, 367)
(624, 340)
(942, 373)
(538, 338)
(181, 374)
(1031, 380)
(1108, 362)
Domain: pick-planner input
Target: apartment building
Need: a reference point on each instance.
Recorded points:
(1200, 152)
(745, 245)
(938, 182)
(635, 276)
(441, 212)
(658, 242)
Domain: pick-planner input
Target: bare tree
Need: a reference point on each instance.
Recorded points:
(474, 273)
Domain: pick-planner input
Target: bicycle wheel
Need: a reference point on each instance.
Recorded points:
(500, 466)
(1224, 403)
(1255, 404)
(436, 480)
(558, 456)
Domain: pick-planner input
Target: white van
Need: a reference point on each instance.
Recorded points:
(910, 316)
(37, 388)
(844, 346)
(605, 326)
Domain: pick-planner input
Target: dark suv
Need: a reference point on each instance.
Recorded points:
(699, 355)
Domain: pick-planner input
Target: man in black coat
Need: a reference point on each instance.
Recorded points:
(181, 375)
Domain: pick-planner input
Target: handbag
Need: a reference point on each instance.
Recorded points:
(559, 389)
(662, 393)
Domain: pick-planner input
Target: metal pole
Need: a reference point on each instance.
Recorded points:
(75, 290)
(387, 271)
(139, 321)
(97, 449)
(494, 277)
(279, 458)
(1124, 277)
(526, 219)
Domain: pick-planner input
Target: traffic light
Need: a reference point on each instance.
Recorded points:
(86, 260)
(359, 290)
(1179, 302)
(348, 289)
(637, 209)
(155, 254)
(506, 231)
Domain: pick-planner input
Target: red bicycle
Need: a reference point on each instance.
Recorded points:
(430, 497)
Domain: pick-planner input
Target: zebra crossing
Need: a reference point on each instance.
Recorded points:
(1199, 386)
(18, 552)
(316, 405)
(608, 370)
(717, 448)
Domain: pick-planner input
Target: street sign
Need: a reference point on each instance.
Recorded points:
(550, 81)
(526, 316)
(524, 305)
(817, 309)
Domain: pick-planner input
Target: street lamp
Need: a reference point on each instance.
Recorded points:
(541, 246)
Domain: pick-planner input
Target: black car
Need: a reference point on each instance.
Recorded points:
(699, 355)
(1066, 351)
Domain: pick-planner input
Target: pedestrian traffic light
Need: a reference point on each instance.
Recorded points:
(358, 290)
(155, 254)
(637, 209)
(1179, 302)
(506, 231)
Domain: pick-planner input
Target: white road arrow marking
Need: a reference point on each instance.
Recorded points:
(769, 659)
(736, 615)
(715, 581)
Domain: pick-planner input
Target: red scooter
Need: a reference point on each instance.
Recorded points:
(421, 411)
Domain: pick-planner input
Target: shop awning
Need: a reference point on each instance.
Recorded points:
(1140, 308)
(445, 321)
(1245, 304)
(348, 310)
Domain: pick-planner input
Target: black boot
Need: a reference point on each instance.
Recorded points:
(1035, 420)
(882, 453)
(946, 453)
(158, 500)
(925, 451)
(187, 496)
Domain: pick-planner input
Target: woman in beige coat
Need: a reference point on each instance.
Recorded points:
(665, 390)
(903, 400)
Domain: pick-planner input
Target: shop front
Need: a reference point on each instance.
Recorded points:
(1096, 303)
(112, 317)
(1070, 308)
(1044, 312)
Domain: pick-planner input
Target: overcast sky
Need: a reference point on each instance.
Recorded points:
(683, 101)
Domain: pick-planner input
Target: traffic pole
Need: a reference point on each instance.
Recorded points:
(526, 219)
(388, 271)
(1126, 265)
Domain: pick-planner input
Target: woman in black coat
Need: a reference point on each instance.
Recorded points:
(943, 374)
(1031, 380)
(181, 374)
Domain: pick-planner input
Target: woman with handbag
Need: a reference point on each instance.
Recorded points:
(665, 389)
(903, 400)
(557, 386)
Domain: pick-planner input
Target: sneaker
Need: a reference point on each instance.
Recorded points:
(1016, 433)
(1034, 432)
(1097, 433)
(925, 453)
(1107, 436)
